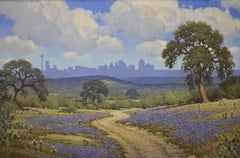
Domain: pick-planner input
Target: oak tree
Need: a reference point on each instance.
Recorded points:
(18, 76)
(94, 91)
(202, 52)
(132, 93)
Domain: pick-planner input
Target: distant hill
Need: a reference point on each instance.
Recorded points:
(156, 80)
(74, 84)
(115, 85)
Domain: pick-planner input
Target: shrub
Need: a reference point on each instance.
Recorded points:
(231, 87)
(177, 98)
(31, 101)
(51, 103)
(7, 115)
(64, 102)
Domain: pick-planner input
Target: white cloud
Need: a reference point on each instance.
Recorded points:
(71, 56)
(221, 20)
(235, 4)
(153, 20)
(13, 45)
(49, 23)
(151, 48)
(136, 19)
(236, 56)
(109, 44)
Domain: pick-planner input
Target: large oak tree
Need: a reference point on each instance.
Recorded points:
(18, 76)
(94, 91)
(202, 52)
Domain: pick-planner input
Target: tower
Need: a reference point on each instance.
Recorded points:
(47, 66)
(41, 62)
(141, 65)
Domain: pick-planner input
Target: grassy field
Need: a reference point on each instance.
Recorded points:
(50, 133)
(200, 129)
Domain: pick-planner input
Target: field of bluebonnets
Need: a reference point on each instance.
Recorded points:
(201, 129)
(47, 133)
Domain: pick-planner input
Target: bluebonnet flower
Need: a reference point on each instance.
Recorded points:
(188, 126)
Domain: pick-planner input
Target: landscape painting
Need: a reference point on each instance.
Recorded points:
(120, 79)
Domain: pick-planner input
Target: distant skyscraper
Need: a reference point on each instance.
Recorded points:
(41, 62)
(121, 64)
(47, 66)
(141, 65)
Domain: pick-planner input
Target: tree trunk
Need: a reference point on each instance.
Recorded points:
(14, 95)
(202, 91)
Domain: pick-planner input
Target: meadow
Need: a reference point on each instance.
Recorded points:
(199, 129)
(49, 133)
(62, 126)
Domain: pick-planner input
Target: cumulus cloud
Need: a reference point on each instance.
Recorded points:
(13, 45)
(49, 23)
(71, 56)
(134, 18)
(109, 44)
(218, 19)
(236, 55)
(153, 20)
(231, 4)
(151, 48)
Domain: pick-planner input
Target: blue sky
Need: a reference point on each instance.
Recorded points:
(96, 32)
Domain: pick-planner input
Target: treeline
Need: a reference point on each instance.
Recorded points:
(229, 89)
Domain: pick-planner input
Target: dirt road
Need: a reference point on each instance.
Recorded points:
(136, 142)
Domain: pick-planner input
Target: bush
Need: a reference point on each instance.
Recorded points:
(231, 87)
(7, 115)
(64, 102)
(69, 109)
(31, 101)
(51, 103)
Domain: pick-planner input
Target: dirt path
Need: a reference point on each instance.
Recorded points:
(136, 142)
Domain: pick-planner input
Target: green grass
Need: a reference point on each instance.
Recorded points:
(73, 140)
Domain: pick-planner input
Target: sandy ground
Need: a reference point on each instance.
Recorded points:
(136, 142)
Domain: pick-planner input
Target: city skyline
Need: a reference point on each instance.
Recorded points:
(118, 69)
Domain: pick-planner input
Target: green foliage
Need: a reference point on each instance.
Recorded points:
(68, 109)
(94, 91)
(7, 115)
(63, 101)
(200, 48)
(179, 98)
(30, 101)
(51, 103)
(132, 93)
(151, 102)
(18, 76)
(231, 87)
(170, 98)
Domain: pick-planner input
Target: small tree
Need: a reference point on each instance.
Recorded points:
(132, 93)
(202, 53)
(18, 76)
(93, 92)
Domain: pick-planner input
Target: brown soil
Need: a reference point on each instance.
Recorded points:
(136, 142)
